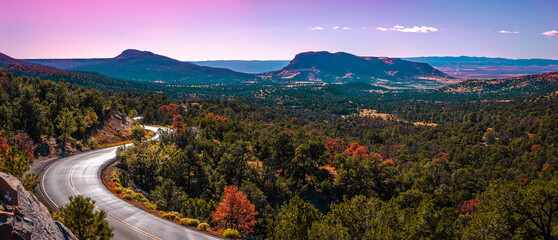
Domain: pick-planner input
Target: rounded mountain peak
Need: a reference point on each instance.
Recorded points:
(133, 53)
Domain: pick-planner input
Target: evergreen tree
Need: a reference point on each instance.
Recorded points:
(66, 125)
(294, 221)
(80, 217)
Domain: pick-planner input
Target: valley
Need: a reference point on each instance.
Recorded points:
(303, 146)
(278, 120)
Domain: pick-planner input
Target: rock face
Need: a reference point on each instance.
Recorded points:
(115, 127)
(22, 216)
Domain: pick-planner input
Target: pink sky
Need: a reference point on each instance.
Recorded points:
(263, 29)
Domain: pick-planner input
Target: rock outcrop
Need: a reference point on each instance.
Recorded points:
(115, 127)
(23, 217)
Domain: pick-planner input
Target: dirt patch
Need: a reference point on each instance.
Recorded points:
(425, 124)
(115, 127)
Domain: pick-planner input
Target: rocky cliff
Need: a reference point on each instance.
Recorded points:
(22, 216)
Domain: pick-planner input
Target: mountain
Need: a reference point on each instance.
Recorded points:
(344, 67)
(488, 68)
(146, 66)
(7, 60)
(252, 66)
(66, 63)
(87, 79)
(460, 67)
(516, 87)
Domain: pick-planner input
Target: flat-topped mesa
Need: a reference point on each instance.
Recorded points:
(345, 67)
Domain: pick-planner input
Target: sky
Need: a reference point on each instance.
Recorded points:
(279, 29)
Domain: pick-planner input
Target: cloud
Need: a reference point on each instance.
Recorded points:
(336, 27)
(415, 29)
(346, 28)
(551, 33)
(508, 32)
(316, 28)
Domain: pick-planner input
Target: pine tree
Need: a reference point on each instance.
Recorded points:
(81, 218)
(67, 125)
(294, 220)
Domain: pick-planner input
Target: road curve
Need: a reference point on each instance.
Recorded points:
(80, 174)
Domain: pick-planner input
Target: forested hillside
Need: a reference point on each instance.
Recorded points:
(481, 170)
(333, 161)
(40, 118)
(20, 68)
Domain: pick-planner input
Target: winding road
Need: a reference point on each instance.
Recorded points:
(80, 174)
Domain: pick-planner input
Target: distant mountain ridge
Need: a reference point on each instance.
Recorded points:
(345, 67)
(7, 60)
(23, 68)
(66, 64)
(487, 68)
(461, 67)
(146, 66)
(512, 87)
(246, 66)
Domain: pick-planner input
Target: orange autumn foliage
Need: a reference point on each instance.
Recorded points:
(177, 125)
(176, 122)
(388, 162)
(469, 206)
(358, 151)
(535, 148)
(444, 155)
(3, 146)
(375, 156)
(25, 144)
(217, 118)
(235, 211)
(334, 146)
(171, 109)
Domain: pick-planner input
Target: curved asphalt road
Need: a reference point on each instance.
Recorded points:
(80, 174)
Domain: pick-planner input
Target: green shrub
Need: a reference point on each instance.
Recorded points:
(198, 208)
(118, 190)
(124, 178)
(115, 179)
(171, 216)
(185, 221)
(130, 191)
(128, 196)
(138, 196)
(117, 184)
(203, 226)
(92, 142)
(152, 206)
(143, 200)
(194, 222)
(231, 233)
